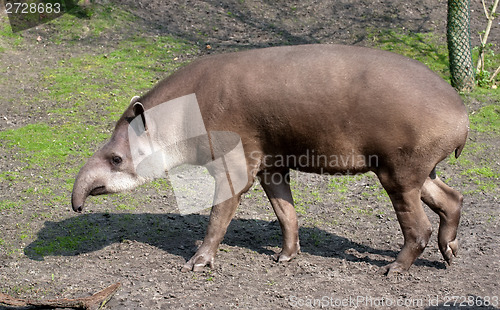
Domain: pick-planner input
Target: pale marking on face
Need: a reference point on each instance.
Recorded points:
(121, 181)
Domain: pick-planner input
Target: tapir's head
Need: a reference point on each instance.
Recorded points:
(110, 169)
(144, 145)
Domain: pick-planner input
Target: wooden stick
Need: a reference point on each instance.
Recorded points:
(495, 74)
(490, 16)
(94, 302)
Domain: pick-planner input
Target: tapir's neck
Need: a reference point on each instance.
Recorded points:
(173, 134)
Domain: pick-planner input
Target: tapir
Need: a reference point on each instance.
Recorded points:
(393, 114)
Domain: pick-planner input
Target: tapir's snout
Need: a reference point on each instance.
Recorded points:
(106, 172)
(84, 187)
(78, 209)
(78, 196)
(90, 181)
(76, 204)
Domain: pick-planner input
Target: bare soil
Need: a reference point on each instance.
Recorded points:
(345, 237)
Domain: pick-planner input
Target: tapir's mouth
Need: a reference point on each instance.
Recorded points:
(100, 190)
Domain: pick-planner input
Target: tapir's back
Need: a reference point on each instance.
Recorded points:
(330, 98)
(317, 78)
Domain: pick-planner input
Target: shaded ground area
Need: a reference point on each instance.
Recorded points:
(254, 23)
(348, 228)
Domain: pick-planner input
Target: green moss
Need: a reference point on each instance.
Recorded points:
(42, 143)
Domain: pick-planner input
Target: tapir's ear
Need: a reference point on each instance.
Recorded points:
(134, 99)
(138, 109)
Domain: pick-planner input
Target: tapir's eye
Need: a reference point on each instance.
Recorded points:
(116, 160)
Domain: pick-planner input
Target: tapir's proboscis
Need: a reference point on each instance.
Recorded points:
(376, 111)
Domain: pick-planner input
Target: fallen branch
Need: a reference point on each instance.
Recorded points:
(94, 302)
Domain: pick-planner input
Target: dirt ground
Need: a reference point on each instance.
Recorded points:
(345, 237)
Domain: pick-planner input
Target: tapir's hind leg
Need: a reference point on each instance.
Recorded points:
(276, 184)
(411, 216)
(447, 203)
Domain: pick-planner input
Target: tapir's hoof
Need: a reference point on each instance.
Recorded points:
(198, 263)
(394, 269)
(450, 251)
(285, 257)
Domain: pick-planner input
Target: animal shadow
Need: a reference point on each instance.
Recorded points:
(174, 233)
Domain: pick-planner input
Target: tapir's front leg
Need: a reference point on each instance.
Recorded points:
(220, 217)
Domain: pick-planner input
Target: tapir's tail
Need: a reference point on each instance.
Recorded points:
(433, 174)
(463, 136)
(458, 150)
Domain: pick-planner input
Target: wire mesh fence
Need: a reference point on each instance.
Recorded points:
(459, 45)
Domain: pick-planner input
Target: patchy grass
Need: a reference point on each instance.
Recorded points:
(478, 160)
(110, 80)
(338, 185)
(81, 231)
(124, 207)
(424, 47)
(42, 144)
(9, 204)
(75, 86)
(9, 176)
(487, 172)
(487, 119)
(479, 169)
(80, 24)
(303, 196)
(7, 37)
